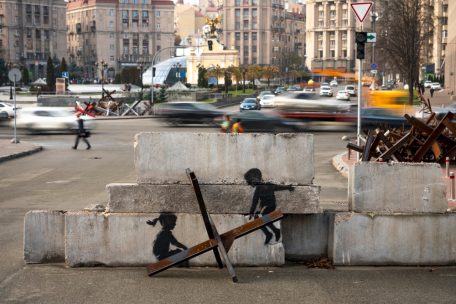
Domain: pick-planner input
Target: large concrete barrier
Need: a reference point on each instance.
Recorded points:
(127, 240)
(397, 188)
(222, 199)
(359, 239)
(44, 236)
(305, 236)
(161, 158)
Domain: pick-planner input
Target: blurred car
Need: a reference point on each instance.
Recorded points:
(46, 119)
(334, 83)
(7, 109)
(267, 101)
(351, 89)
(279, 90)
(262, 93)
(343, 95)
(254, 121)
(427, 84)
(372, 118)
(436, 86)
(308, 90)
(304, 101)
(249, 104)
(326, 91)
(188, 112)
(293, 88)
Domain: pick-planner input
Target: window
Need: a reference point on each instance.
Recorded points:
(157, 13)
(145, 18)
(145, 47)
(246, 36)
(125, 17)
(134, 17)
(254, 36)
(237, 36)
(237, 3)
(157, 26)
(126, 46)
(37, 14)
(46, 14)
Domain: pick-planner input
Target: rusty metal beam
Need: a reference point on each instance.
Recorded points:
(388, 153)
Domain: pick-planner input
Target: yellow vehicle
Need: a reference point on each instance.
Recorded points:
(396, 101)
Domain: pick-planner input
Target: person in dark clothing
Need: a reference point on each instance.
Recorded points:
(81, 133)
(432, 92)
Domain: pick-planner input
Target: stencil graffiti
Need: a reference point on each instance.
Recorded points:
(264, 201)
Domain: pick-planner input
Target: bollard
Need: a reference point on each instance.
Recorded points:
(349, 153)
(452, 185)
(447, 166)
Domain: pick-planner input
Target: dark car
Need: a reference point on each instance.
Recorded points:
(254, 121)
(372, 118)
(188, 112)
(249, 104)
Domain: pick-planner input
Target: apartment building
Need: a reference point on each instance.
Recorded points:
(189, 20)
(450, 50)
(330, 29)
(255, 28)
(109, 35)
(31, 32)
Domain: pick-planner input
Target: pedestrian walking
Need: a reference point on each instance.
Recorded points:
(432, 92)
(226, 124)
(237, 127)
(81, 133)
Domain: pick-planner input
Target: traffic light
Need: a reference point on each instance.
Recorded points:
(360, 51)
(361, 39)
(209, 45)
(153, 71)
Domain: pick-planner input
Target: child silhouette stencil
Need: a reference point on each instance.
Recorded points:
(264, 198)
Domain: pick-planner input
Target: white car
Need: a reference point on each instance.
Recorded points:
(7, 109)
(343, 95)
(303, 101)
(43, 119)
(334, 83)
(326, 91)
(351, 89)
(436, 86)
(427, 84)
(267, 101)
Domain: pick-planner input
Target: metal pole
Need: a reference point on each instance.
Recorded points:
(452, 185)
(447, 166)
(15, 140)
(358, 132)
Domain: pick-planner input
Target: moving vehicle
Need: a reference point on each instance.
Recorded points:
(311, 102)
(7, 109)
(249, 104)
(254, 121)
(279, 90)
(326, 91)
(262, 93)
(48, 119)
(188, 112)
(334, 83)
(373, 118)
(267, 101)
(343, 95)
(351, 89)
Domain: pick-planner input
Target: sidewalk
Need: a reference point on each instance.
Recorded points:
(9, 150)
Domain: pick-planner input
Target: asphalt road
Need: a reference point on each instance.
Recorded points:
(60, 178)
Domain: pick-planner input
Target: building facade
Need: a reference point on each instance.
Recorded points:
(330, 30)
(31, 32)
(450, 50)
(105, 36)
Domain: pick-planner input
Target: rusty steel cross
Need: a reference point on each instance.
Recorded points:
(220, 244)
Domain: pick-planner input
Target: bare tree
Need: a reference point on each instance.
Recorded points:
(406, 27)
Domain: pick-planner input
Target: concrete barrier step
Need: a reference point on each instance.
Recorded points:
(397, 188)
(219, 158)
(222, 199)
(400, 239)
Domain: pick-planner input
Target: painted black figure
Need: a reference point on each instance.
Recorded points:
(264, 198)
(165, 237)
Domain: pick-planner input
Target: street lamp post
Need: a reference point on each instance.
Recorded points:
(141, 68)
(152, 67)
(103, 66)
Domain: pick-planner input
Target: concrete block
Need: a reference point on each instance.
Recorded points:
(219, 158)
(223, 199)
(397, 188)
(127, 240)
(44, 239)
(305, 236)
(426, 239)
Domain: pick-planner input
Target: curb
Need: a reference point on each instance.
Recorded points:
(20, 154)
(340, 165)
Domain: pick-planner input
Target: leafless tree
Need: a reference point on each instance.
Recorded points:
(406, 27)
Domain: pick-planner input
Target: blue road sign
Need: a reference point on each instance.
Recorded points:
(374, 66)
(65, 74)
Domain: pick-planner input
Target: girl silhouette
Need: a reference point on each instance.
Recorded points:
(165, 238)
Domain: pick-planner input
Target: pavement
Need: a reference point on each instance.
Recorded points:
(293, 283)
